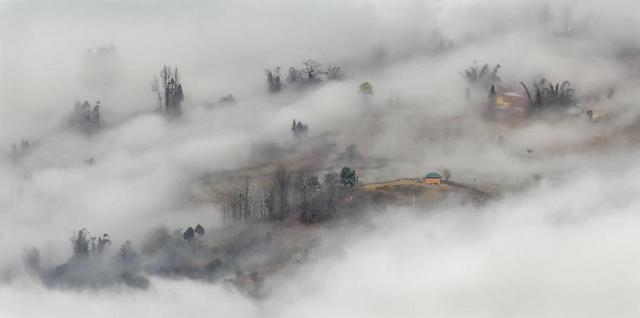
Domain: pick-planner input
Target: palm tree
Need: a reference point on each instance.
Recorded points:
(482, 76)
(560, 94)
(536, 102)
(551, 95)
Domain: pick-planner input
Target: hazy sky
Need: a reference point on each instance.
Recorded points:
(563, 247)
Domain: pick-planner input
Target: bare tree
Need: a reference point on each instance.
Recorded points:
(245, 199)
(168, 90)
(281, 180)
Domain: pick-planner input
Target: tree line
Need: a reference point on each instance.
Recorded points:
(299, 194)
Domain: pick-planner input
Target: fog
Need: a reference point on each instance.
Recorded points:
(555, 239)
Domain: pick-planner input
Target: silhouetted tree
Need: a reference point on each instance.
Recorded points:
(188, 234)
(85, 117)
(307, 188)
(333, 72)
(126, 253)
(199, 230)
(168, 90)
(559, 95)
(348, 178)
(273, 79)
(311, 70)
(294, 75)
(551, 95)
(365, 89)
(536, 101)
(331, 192)
(446, 173)
(227, 99)
(299, 129)
(482, 76)
(281, 180)
(103, 242)
(81, 247)
(31, 258)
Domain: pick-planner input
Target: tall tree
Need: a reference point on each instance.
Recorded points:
(273, 79)
(168, 89)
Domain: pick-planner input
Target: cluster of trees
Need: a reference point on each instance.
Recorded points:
(541, 95)
(85, 245)
(168, 90)
(20, 149)
(286, 194)
(192, 233)
(482, 77)
(311, 72)
(85, 117)
(92, 265)
(299, 129)
(550, 96)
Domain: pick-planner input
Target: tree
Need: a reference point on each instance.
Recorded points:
(550, 96)
(306, 188)
(269, 202)
(348, 178)
(536, 102)
(482, 76)
(81, 247)
(246, 208)
(366, 89)
(31, 258)
(446, 173)
(330, 188)
(294, 75)
(103, 242)
(492, 98)
(227, 99)
(273, 79)
(85, 117)
(333, 72)
(85, 245)
(199, 230)
(168, 90)
(559, 95)
(188, 234)
(126, 253)
(311, 70)
(299, 129)
(95, 114)
(281, 181)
